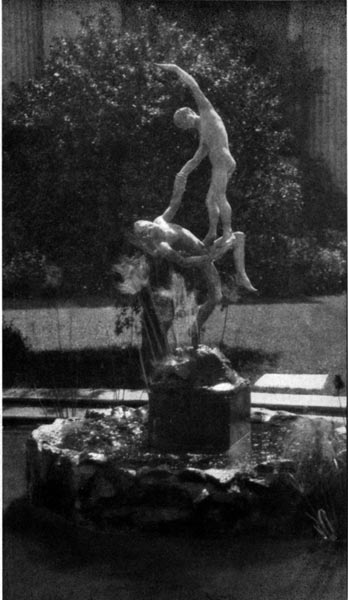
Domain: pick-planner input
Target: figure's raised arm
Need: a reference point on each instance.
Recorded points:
(201, 99)
(197, 158)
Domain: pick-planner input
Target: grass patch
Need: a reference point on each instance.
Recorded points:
(71, 346)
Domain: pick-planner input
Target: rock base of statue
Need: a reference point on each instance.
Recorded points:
(197, 403)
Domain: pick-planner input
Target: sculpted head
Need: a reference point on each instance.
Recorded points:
(185, 118)
(148, 235)
(145, 228)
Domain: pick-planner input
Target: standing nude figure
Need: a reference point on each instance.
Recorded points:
(213, 143)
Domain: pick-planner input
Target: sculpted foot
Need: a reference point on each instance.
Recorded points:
(227, 238)
(243, 281)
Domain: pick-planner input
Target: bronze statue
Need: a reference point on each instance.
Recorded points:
(162, 238)
(179, 246)
(213, 143)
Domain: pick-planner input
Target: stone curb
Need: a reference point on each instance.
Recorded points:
(294, 383)
(75, 397)
(51, 403)
(21, 406)
(35, 416)
(301, 403)
(98, 486)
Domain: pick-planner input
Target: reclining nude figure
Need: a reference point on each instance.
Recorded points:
(213, 143)
(160, 238)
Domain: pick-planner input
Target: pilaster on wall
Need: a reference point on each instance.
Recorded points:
(322, 28)
(29, 27)
(22, 42)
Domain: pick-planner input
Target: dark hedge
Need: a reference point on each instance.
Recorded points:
(90, 146)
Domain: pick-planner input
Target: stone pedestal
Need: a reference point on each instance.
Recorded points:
(205, 419)
(197, 403)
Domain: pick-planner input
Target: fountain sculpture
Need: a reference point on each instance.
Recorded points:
(198, 405)
(196, 400)
(187, 458)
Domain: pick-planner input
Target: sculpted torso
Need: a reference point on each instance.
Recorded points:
(162, 238)
(213, 136)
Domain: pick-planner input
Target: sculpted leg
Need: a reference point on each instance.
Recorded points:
(217, 191)
(239, 260)
(214, 297)
(214, 214)
(223, 177)
(226, 217)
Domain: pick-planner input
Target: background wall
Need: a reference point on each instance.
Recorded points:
(22, 40)
(28, 29)
(321, 26)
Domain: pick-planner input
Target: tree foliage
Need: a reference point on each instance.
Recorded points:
(90, 145)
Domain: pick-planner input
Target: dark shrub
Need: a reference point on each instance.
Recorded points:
(91, 146)
(24, 274)
(281, 265)
(328, 271)
(15, 354)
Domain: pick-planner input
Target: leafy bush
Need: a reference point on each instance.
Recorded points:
(281, 265)
(328, 271)
(24, 273)
(90, 146)
(321, 478)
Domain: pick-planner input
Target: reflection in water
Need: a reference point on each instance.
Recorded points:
(241, 447)
(282, 437)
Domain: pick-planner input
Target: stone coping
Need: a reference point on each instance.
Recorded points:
(84, 397)
(335, 405)
(100, 474)
(34, 415)
(17, 401)
(294, 383)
